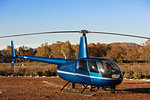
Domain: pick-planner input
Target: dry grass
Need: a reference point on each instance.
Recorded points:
(136, 67)
(33, 68)
(28, 68)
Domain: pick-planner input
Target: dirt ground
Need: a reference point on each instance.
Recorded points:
(44, 88)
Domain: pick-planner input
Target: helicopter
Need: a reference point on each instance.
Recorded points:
(88, 71)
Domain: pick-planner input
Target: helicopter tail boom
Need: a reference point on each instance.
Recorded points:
(56, 61)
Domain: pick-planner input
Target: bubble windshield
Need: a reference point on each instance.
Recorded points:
(109, 68)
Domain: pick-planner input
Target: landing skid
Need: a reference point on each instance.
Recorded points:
(79, 93)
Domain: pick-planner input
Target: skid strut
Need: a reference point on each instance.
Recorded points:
(85, 86)
(65, 86)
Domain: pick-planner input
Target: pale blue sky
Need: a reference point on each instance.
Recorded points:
(25, 16)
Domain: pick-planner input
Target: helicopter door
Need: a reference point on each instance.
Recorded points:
(94, 71)
(82, 72)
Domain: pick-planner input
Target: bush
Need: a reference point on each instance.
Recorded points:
(35, 73)
(129, 74)
(20, 71)
(40, 73)
(3, 73)
(49, 73)
(138, 75)
(146, 75)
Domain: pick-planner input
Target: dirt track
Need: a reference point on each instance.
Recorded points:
(18, 88)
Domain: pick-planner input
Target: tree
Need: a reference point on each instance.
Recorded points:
(116, 53)
(44, 50)
(147, 43)
(7, 52)
(76, 50)
(132, 54)
(94, 50)
(56, 50)
(67, 50)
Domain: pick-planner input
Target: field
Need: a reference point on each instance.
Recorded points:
(32, 67)
(35, 88)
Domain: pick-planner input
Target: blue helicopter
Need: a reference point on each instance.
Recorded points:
(93, 71)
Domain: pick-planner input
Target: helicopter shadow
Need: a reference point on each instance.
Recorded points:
(139, 83)
(138, 90)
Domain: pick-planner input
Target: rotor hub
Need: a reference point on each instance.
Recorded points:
(84, 32)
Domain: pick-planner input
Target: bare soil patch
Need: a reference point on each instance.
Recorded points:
(44, 88)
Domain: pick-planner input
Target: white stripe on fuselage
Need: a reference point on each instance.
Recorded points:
(64, 72)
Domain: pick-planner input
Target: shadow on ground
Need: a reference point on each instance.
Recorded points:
(138, 83)
(139, 90)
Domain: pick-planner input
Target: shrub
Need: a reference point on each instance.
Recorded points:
(20, 71)
(40, 73)
(47, 73)
(146, 75)
(128, 74)
(138, 75)
(35, 73)
(3, 73)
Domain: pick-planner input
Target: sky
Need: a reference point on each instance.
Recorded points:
(29, 16)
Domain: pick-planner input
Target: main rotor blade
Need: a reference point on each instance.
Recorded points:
(16, 35)
(74, 32)
(120, 34)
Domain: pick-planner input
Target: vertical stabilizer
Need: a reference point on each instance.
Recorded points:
(12, 49)
(13, 54)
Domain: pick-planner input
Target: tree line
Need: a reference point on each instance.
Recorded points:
(118, 52)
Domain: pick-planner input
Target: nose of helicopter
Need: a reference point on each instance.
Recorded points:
(106, 81)
(112, 82)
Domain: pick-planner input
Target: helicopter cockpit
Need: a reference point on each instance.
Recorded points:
(106, 67)
(109, 68)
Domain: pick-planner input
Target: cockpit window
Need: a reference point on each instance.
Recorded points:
(82, 65)
(109, 69)
(92, 66)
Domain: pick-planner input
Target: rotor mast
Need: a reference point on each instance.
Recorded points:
(83, 49)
